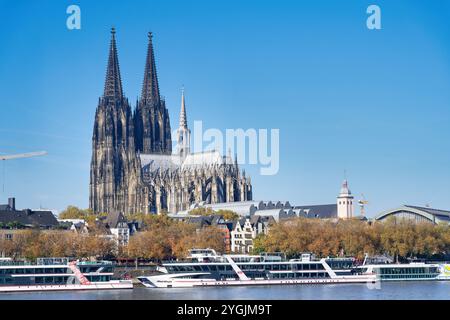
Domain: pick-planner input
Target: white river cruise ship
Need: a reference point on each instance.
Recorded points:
(204, 267)
(58, 274)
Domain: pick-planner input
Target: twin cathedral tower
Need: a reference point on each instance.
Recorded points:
(133, 168)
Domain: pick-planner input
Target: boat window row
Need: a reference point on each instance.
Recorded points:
(88, 269)
(256, 275)
(49, 280)
(34, 270)
(408, 276)
(99, 278)
(200, 268)
(309, 266)
(303, 275)
(340, 264)
(53, 270)
(282, 266)
(403, 271)
(23, 281)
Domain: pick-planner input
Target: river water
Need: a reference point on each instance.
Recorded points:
(414, 290)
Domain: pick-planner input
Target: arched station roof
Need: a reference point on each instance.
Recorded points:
(420, 213)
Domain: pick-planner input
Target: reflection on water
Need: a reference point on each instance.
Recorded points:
(429, 290)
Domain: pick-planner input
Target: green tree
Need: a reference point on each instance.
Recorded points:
(72, 212)
(228, 215)
(202, 212)
(259, 245)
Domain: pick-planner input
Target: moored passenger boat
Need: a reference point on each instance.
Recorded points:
(408, 272)
(58, 274)
(205, 267)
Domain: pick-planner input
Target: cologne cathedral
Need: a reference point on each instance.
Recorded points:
(133, 168)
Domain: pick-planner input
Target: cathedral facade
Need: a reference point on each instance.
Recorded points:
(133, 167)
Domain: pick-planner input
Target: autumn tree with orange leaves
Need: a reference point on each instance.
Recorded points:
(399, 238)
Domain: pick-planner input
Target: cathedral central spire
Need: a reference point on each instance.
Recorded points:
(113, 82)
(150, 88)
(183, 118)
(183, 132)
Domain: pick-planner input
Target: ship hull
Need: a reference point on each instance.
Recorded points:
(111, 285)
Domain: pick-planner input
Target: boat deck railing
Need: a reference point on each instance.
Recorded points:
(94, 262)
(51, 263)
(16, 263)
(237, 259)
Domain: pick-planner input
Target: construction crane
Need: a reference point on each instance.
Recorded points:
(362, 202)
(3, 158)
(23, 155)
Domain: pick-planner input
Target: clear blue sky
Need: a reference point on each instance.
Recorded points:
(374, 103)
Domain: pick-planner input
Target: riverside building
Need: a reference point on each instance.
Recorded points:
(282, 210)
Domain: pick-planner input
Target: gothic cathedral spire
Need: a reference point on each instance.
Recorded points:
(183, 120)
(113, 82)
(150, 87)
(115, 181)
(151, 119)
(183, 132)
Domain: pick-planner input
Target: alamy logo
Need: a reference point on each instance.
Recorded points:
(374, 20)
(73, 22)
(251, 146)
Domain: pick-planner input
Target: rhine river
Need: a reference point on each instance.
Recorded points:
(428, 290)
